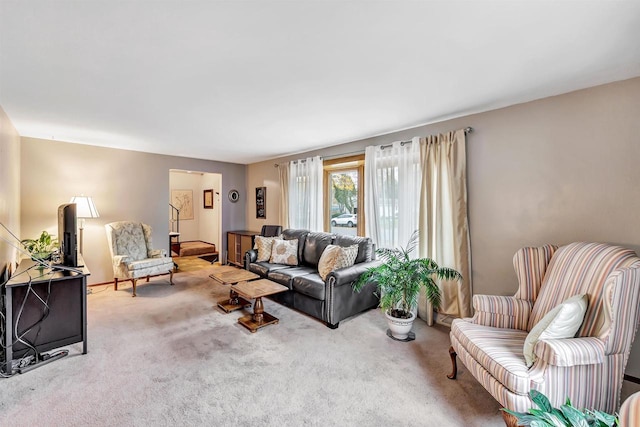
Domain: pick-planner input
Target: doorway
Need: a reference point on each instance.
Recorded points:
(195, 213)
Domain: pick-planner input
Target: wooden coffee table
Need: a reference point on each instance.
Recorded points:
(228, 275)
(256, 290)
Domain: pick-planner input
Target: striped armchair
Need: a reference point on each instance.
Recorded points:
(589, 367)
(630, 411)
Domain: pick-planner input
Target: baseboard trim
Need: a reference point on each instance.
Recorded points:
(632, 379)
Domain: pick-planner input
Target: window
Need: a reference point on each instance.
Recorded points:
(344, 195)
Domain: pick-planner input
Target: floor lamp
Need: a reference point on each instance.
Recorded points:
(85, 208)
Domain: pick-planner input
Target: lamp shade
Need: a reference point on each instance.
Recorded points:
(85, 207)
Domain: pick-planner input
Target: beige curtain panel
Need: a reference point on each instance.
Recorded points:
(443, 220)
(283, 179)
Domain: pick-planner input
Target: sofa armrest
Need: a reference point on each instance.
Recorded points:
(250, 256)
(349, 275)
(571, 351)
(501, 311)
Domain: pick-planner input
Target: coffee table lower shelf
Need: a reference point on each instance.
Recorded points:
(250, 323)
(228, 305)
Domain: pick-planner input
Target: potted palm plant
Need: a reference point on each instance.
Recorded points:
(399, 280)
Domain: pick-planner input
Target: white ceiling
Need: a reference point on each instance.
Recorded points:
(245, 81)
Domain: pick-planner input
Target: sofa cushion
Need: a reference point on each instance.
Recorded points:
(264, 268)
(336, 257)
(311, 285)
(263, 245)
(498, 350)
(314, 246)
(284, 252)
(285, 276)
(365, 246)
(563, 321)
(163, 263)
(296, 234)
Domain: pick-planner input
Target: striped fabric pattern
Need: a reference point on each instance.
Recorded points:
(498, 350)
(504, 396)
(530, 265)
(621, 305)
(630, 411)
(588, 369)
(570, 352)
(501, 311)
(580, 268)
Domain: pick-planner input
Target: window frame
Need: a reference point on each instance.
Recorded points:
(344, 164)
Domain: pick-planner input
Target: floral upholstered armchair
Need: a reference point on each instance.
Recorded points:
(133, 255)
(567, 332)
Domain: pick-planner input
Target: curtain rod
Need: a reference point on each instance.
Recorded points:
(467, 131)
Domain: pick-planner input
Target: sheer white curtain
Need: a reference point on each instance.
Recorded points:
(305, 194)
(392, 192)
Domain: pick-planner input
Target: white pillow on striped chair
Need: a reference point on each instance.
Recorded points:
(562, 321)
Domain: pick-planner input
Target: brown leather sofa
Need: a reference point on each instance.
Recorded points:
(332, 300)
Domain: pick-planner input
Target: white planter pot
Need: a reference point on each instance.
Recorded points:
(400, 328)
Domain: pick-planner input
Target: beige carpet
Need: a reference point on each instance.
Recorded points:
(170, 357)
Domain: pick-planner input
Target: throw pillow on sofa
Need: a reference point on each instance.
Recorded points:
(284, 252)
(562, 321)
(336, 257)
(263, 245)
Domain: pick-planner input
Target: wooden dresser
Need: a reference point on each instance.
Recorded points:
(239, 242)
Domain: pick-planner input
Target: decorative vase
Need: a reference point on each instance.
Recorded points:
(400, 328)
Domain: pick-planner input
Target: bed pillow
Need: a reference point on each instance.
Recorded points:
(284, 252)
(263, 245)
(563, 321)
(336, 257)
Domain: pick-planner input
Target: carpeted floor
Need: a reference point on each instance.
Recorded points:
(171, 357)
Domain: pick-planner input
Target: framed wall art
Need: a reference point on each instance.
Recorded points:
(183, 201)
(208, 199)
(261, 202)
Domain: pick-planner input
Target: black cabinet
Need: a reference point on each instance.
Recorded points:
(47, 308)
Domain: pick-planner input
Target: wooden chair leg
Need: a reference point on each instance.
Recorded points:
(171, 277)
(147, 278)
(134, 286)
(115, 284)
(454, 372)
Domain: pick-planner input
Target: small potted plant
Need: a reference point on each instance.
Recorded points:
(399, 280)
(41, 248)
(567, 415)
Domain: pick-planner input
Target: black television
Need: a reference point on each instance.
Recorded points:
(67, 234)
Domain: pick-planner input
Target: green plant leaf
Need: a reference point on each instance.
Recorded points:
(604, 418)
(540, 400)
(575, 417)
(400, 278)
(539, 423)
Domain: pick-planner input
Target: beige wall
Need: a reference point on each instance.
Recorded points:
(125, 185)
(556, 170)
(9, 189)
